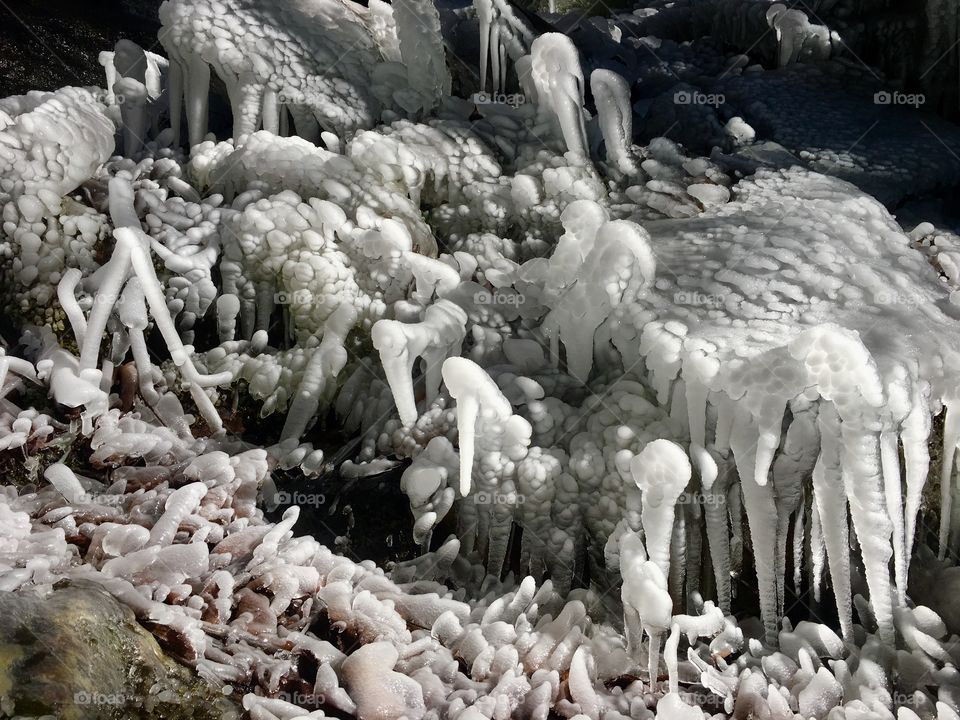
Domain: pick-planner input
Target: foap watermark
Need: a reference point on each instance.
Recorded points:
(498, 297)
(695, 97)
(695, 297)
(511, 99)
(86, 697)
(293, 297)
(304, 499)
(885, 97)
(895, 297)
(493, 498)
(303, 699)
(298, 97)
(701, 498)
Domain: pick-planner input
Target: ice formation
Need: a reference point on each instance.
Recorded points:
(642, 402)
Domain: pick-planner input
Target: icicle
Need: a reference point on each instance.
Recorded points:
(678, 556)
(831, 503)
(817, 551)
(890, 467)
(325, 363)
(769, 424)
(271, 111)
(559, 80)
(801, 446)
(725, 413)
(915, 437)
(761, 517)
(475, 394)
(696, 410)
(715, 513)
(862, 480)
(799, 527)
(611, 93)
(694, 538)
(66, 289)
(495, 57)
(951, 436)
(175, 89)
(485, 16)
(197, 94)
(670, 658)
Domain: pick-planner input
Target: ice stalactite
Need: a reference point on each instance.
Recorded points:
(611, 93)
(831, 502)
(914, 436)
(556, 72)
(893, 494)
(951, 439)
(791, 469)
(797, 38)
(502, 32)
(715, 485)
(620, 265)
(760, 507)
(313, 59)
(421, 48)
(863, 481)
(480, 406)
(133, 110)
(439, 335)
(319, 377)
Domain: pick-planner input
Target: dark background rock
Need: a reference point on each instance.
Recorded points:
(46, 45)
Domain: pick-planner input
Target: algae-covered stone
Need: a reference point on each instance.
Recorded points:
(75, 653)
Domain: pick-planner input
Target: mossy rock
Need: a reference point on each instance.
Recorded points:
(77, 654)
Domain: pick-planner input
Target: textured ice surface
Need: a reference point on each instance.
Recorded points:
(634, 382)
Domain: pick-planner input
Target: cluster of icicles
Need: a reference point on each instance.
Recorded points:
(528, 431)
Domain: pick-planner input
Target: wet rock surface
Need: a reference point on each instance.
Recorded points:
(77, 654)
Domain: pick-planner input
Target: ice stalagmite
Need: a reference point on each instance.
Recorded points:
(647, 606)
(661, 470)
